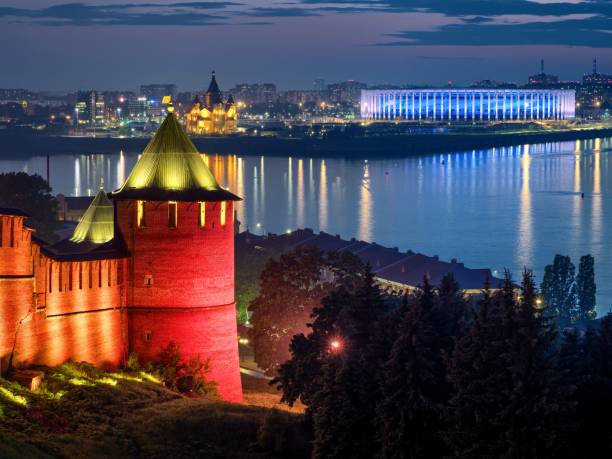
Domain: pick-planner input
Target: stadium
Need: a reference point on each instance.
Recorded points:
(468, 104)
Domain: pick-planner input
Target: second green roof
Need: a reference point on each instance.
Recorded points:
(171, 168)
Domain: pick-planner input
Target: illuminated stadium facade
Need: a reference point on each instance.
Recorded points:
(467, 104)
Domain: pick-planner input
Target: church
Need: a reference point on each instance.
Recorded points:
(148, 264)
(212, 116)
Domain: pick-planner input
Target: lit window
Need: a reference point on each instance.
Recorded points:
(223, 208)
(172, 214)
(202, 215)
(140, 214)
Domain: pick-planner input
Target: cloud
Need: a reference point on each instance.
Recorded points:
(468, 22)
(590, 32)
(142, 14)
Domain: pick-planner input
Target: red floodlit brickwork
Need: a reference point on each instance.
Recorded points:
(180, 284)
(41, 323)
(177, 286)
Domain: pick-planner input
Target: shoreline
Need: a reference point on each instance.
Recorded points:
(17, 146)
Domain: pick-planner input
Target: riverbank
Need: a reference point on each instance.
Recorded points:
(383, 146)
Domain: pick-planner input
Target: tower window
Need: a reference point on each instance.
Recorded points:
(80, 276)
(223, 209)
(148, 336)
(12, 235)
(70, 272)
(100, 274)
(202, 215)
(90, 273)
(141, 216)
(148, 280)
(50, 277)
(59, 277)
(172, 214)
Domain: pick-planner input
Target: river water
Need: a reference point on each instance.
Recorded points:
(501, 208)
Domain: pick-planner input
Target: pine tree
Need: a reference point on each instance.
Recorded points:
(343, 408)
(480, 379)
(409, 413)
(559, 289)
(586, 289)
(536, 407)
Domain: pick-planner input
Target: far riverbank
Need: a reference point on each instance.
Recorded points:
(371, 147)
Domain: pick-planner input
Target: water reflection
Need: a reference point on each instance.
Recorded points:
(503, 207)
(525, 236)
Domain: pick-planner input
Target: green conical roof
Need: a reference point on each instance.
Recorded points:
(171, 168)
(97, 224)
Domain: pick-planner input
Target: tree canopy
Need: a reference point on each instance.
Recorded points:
(32, 194)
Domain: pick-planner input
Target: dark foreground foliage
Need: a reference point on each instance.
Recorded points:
(82, 412)
(439, 376)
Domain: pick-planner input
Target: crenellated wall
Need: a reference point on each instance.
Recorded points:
(180, 284)
(43, 323)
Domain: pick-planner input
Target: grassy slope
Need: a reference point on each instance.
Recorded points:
(133, 419)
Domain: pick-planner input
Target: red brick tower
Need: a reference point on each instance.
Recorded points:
(177, 223)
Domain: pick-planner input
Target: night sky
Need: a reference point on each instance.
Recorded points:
(102, 44)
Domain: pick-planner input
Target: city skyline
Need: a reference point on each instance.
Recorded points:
(104, 44)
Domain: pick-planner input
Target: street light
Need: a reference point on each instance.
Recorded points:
(335, 345)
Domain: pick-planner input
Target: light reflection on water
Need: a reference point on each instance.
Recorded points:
(499, 208)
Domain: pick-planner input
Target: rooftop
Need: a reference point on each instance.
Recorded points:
(390, 264)
(172, 169)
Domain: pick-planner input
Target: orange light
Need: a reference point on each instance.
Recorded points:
(335, 345)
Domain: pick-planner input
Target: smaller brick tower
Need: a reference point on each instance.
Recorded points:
(177, 223)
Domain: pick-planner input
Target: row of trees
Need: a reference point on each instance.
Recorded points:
(435, 376)
(571, 296)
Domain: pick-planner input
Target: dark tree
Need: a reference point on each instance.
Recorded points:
(32, 194)
(559, 289)
(593, 436)
(536, 406)
(585, 288)
(290, 288)
(479, 379)
(343, 408)
(413, 386)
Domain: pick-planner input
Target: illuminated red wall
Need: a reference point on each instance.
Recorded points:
(48, 326)
(181, 286)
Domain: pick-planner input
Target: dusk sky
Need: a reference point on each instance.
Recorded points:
(105, 44)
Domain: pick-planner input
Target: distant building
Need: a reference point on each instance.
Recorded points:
(90, 108)
(468, 104)
(212, 116)
(154, 94)
(319, 84)
(346, 91)
(250, 94)
(543, 79)
(595, 91)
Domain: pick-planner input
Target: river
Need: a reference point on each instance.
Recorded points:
(501, 208)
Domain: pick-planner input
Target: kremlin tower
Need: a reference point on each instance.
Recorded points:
(154, 264)
(177, 223)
